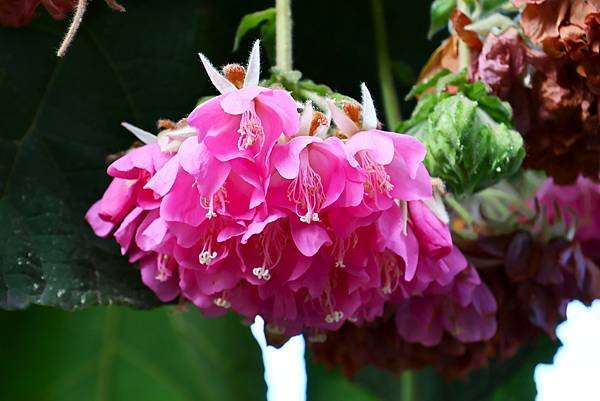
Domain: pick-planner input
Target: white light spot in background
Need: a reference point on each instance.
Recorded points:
(575, 373)
(285, 370)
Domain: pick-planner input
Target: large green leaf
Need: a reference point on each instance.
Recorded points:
(116, 354)
(60, 120)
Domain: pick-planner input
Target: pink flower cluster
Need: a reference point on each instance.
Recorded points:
(253, 208)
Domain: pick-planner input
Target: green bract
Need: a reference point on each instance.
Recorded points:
(469, 139)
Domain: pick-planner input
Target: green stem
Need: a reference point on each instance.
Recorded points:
(458, 208)
(283, 35)
(391, 105)
(408, 386)
(464, 53)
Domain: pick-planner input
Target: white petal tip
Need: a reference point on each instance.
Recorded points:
(139, 133)
(368, 108)
(218, 80)
(253, 67)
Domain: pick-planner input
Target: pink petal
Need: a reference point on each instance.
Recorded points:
(309, 238)
(162, 182)
(239, 101)
(101, 227)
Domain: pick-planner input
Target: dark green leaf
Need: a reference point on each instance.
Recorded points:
(254, 20)
(440, 13)
(61, 119)
(121, 355)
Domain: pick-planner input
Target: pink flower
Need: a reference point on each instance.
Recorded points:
(391, 163)
(130, 211)
(433, 234)
(464, 308)
(244, 122)
(126, 191)
(577, 205)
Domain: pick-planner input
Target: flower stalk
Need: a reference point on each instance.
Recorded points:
(391, 105)
(408, 386)
(283, 35)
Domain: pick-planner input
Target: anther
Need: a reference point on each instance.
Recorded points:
(353, 111)
(161, 266)
(262, 273)
(206, 257)
(235, 74)
(274, 329)
(222, 303)
(334, 317)
(318, 120)
(317, 338)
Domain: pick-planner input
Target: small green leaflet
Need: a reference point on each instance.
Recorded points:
(440, 12)
(266, 18)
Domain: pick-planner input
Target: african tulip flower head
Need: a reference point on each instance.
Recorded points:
(246, 120)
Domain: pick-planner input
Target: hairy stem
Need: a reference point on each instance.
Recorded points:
(283, 35)
(80, 9)
(391, 105)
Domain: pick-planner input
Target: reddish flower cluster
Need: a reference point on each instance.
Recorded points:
(17, 13)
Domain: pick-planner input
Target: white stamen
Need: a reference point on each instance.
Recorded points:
(222, 303)
(262, 273)
(404, 208)
(274, 329)
(334, 317)
(340, 264)
(161, 266)
(310, 217)
(206, 257)
(317, 338)
(211, 209)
